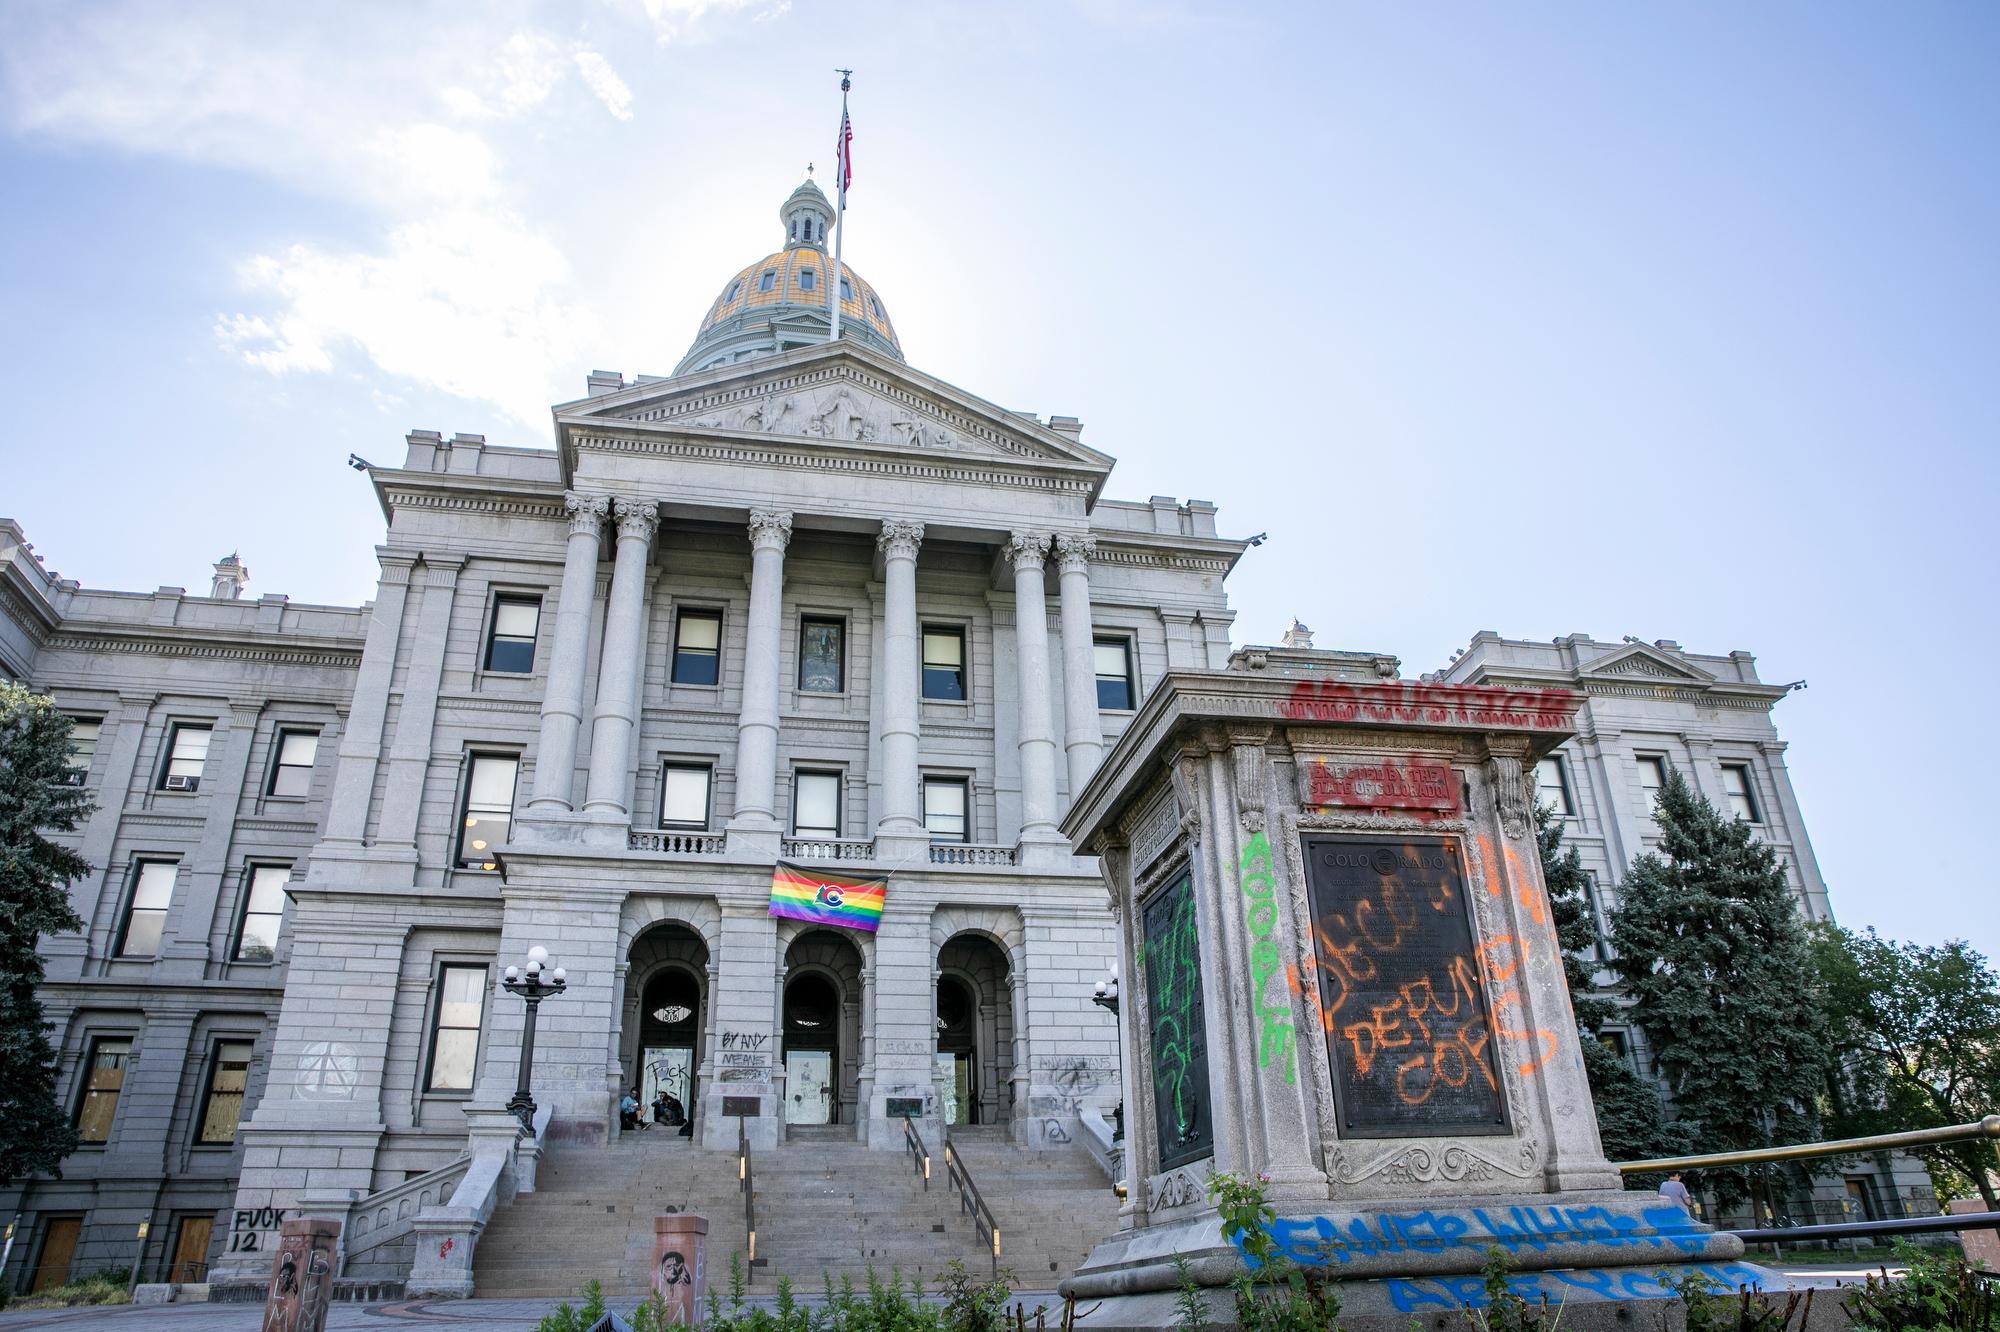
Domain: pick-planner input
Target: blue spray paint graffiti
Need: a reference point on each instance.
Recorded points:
(1323, 1241)
(1469, 1292)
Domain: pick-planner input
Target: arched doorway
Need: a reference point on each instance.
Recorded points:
(975, 1031)
(666, 988)
(821, 1024)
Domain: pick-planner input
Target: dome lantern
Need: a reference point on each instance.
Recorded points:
(806, 216)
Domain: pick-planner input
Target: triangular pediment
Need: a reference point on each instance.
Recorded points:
(1640, 661)
(834, 396)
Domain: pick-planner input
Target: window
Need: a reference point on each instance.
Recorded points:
(187, 752)
(767, 279)
(1652, 778)
(455, 1029)
(489, 808)
(263, 910)
(697, 647)
(146, 917)
(103, 1079)
(222, 1105)
(292, 774)
(876, 305)
(944, 809)
(944, 663)
(1736, 784)
(735, 290)
(510, 646)
(822, 646)
(1551, 788)
(1114, 673)
(808, 279)
(82, 748)
(816, 804)
(846, 289)
(684, 795)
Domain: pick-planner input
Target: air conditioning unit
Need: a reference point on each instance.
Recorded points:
(182, 782)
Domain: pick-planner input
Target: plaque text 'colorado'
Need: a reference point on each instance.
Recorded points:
(1407, 1028)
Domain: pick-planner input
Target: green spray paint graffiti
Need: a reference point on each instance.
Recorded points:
(1179, 1029)
(1260, 911)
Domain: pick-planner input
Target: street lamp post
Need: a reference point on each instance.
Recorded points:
(1105, 996)
(539, 982)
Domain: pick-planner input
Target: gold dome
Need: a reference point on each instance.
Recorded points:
(796, 276)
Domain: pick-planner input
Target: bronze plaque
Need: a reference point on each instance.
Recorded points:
(906, 1107)
(1408, 1030)
(747, 1106)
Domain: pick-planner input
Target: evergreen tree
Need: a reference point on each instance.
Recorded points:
(35, 798)
(1630, 1120)
(1711, 949)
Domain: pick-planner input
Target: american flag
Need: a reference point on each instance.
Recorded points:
(844, 155)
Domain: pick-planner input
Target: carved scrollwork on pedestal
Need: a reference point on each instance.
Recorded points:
(1451, 1163)
(1176, 1188)
(1510, 794)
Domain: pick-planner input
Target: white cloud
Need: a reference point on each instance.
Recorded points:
(673, 19)
(603, 80)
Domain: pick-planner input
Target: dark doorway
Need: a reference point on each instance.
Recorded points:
(957, 1041)
(812, 1049)
(669, 1028)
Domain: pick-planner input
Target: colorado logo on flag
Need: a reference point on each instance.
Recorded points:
(827, 899)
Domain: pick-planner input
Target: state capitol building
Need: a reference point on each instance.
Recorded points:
(796, 601)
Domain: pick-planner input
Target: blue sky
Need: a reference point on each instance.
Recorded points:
(1667, 320)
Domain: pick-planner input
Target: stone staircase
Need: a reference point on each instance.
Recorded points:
(824, 1204)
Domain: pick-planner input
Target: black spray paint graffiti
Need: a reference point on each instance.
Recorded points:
(247, 1228)
(1179, 1030)
(745, 1040)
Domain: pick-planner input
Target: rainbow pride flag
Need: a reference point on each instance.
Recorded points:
(798, 893)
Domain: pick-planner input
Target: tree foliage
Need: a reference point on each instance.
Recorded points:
(35, 872)
(1630, 1119)
(1712, 952)
(1918, 1032)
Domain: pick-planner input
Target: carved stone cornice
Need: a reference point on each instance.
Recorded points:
(900, 538)
(586, 512)
(1027, 550)
(1074, 551)
(770, 529)
(637, 518)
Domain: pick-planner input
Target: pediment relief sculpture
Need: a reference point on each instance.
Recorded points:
(836, 411)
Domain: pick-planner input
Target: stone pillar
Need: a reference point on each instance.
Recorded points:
(1027, 551)
(66, 952)
(361, 744)
(757, 724)
(1804, 863)
(191, 916)
(410, 750)
(680, 1266)
(302, 1276)
(1083, 731)
(897, 724)
(617, 716)
(562, 702)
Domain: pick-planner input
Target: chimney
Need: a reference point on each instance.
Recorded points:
(231, 577)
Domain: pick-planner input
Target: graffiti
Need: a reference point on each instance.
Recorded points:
(1326, 1241)
(745, 1040)
(1179, 1042)
(1561, 1285)
(248, 1227)
(1400, 1000)
(328, 1071)
(1275, 1036)
(738, 1059)
(1053, 1131)
(1417, 701)
(899, 1047)
(1417, 784)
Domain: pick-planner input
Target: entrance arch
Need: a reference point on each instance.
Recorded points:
(664, 1033)
(974, 1017)
(821, 1023)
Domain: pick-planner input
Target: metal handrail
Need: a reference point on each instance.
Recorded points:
(746, 1175)
(984, 1223)
(920, 1155)
(1988, 1127)
(1914, 1225)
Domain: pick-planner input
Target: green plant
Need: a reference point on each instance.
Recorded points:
(1506, 1310)
(1272, 1293)
(1193, 1313)
(1938, 1291)
(568, 1318)
(971, 1305)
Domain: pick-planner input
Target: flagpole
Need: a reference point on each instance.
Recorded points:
(839, 210)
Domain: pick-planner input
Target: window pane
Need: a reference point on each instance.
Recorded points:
(492, 786)
(483, 832)
(943, 648)
(1549, 788)
(819, 655)
(451, 1064)
(83, 743)
(1736, 782)
(267, 887)
(516, 619)
(227, 1080)
(1110, 658)
(816, 807)
(142, 934)
(462, 998)
(684, 797)
(944, 809)
(703, 631)
(155, 888)
(191, 745)
(102, 1082)
(807, 279)
(298, 748)
(1652, 773)
(259, 940)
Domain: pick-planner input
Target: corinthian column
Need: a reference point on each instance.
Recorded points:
(757, 724)
(898, 722)
(1083, 730)
(1027, 551)
(617, 716)
(562, 703)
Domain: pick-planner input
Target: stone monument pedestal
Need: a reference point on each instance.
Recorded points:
(680, 1266)
(1345, 984)
(302, 1275)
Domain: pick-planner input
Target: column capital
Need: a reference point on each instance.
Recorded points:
(1027, 550)
(770, 529)
(586, 512)
(900, 538)
(1074, 551)
(636, 518)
